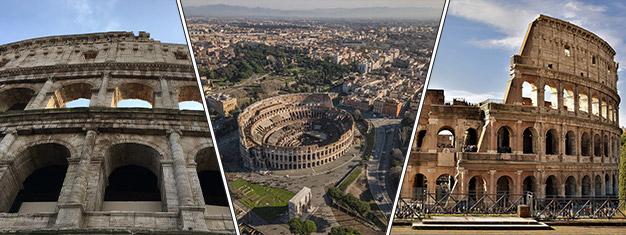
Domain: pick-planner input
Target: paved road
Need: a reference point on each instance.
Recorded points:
(378, 163)
(252, 79)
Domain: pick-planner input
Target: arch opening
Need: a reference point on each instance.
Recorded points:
(568, 99)
(597, 146)
(133, 95)
(445, 138)
(210, 178)
(550, 96)
(528, 141)
(529, 185)
(420, 139)
(444, 185)
(598, 185)
(585, 144)
(529, 93)
(551, 142)
(570, 143)
(586, 186)
(595, 106)
(189, 98)
(552, 187)
(15, 99)
(477, 187)
(419, 185)
(570, 186)
(471, 140)
(504, 145)
(71, 96)
(140, 163)
(43, 169)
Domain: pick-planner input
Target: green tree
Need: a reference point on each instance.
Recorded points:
(296, 226)
(344, 231)
(309, 227)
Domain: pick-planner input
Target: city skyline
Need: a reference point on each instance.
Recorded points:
(479, 46)
(308, 5)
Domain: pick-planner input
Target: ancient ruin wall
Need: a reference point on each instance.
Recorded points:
(38, 77)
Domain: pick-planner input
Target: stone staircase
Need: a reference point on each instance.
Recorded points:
(479, 223)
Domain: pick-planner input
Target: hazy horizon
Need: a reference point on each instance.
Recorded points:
(318, 4)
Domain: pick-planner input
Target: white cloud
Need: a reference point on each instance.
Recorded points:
(86, 11)
(472, 97)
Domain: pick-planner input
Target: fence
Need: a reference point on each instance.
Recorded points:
(424, 203)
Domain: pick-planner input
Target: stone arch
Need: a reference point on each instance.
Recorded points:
(446, 138)
(529, 184)
(570, 186)
(585, 144)
(586, 186)
(504, 139)
(595, 105)
(504, 185)
(529, 93)
(133, 91)
(552, 142)
(598, 185)
(529, 139)
(15, 99)
(568, 99)
(189, 98)
(583, 102)
(551, 96)
(210, 177)
(444, 184)
(597, 146)
(28, 163)
(570, 143)
(471, 137)
(419, 184)
(70, 93)
(420, 139)
(477, 187)
(133, 160)
(552, 186)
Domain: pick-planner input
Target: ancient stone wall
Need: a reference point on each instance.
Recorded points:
(40, 76)
(564, 145)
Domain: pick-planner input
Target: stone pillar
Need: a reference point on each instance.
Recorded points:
(518, 183)
(562, 189)
(166, 100)
(100, 99)
(6, 142)
(37, 103)
(492, 182)
(71, 209)
(192, 216)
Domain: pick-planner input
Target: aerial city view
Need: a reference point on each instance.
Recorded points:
(312, 106)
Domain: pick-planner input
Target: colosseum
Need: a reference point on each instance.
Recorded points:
(294, 131)
(72, 160)
(563, 140)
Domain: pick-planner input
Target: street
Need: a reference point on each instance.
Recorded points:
(378, 163)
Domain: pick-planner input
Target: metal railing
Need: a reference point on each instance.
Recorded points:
(580, 208)
(454, 203)
(557, 208)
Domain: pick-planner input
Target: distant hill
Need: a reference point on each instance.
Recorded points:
(222, 10)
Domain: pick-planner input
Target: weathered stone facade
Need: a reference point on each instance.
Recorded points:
(300, 203)
(38, 77)
(294, 131)
(565, 145)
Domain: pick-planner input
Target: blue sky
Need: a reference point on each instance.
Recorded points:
(480, 36)
(38, 18)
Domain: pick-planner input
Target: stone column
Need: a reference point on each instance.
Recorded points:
(518, 182)
(37, 103)
(492, 182)
(99, 100)
(71, 210)
(192, 216)
(6, 142)
(166, 100)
